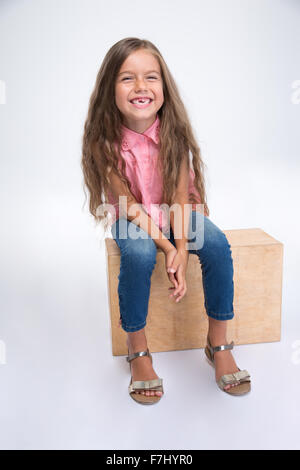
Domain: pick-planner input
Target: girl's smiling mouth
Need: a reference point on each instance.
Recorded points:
(141, 103)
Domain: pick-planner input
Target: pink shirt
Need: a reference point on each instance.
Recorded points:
(140, 152)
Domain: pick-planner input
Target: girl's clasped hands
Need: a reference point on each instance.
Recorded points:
(176, 265)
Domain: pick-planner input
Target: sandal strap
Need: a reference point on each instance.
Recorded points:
(222, 347)
(130, 357)
(240, 376)
(154, 384)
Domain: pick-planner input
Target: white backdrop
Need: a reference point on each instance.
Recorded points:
(237, 67)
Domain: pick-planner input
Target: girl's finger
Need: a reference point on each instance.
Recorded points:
(179, 287)
(181, 280)
(182, 294)
(178, 290)
(173, 293)
(173, 268)
(173, 279)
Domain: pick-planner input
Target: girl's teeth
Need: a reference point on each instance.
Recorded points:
(141, 101)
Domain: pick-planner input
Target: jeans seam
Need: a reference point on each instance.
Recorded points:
(135, 326)
(220, 316)
(141, 325)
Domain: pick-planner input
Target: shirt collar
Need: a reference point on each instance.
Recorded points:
(130, 137)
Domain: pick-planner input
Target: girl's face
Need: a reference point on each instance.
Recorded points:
(139, 76)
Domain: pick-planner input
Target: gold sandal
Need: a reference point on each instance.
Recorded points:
(241, 377)
(154, 384)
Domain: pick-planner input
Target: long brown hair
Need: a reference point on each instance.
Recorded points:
(102, 130)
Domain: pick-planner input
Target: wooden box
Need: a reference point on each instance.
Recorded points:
(257, 261)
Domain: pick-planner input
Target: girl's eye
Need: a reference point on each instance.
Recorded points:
(128, 78)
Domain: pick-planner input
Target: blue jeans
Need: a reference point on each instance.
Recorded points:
(138, 258)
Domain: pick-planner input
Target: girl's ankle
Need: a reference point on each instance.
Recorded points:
(136, 346)
(216, 340)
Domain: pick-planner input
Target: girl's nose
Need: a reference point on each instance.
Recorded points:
(140, 85)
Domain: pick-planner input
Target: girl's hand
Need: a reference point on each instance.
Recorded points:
(170, 255)
(179, 265)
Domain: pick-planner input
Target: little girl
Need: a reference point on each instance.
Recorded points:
(136, 156)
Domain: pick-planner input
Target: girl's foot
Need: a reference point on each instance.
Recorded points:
(141, 367)
(224, 361)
